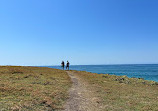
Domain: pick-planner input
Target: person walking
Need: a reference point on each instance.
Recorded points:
(62, 64)
(67, 65)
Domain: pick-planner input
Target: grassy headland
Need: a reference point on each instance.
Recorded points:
(120, 93)
(32, 88)
(43, 89)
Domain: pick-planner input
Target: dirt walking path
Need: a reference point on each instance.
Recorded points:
(81, 97)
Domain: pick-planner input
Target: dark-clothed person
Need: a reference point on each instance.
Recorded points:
(67, 65)
(62, 64)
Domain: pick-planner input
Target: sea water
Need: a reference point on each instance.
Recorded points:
(146, 71)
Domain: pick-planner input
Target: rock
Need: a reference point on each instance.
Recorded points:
(120, 79)
(105, 76)
(141, 78)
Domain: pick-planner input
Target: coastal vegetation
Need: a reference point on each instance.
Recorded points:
(32, 88)
(44, 89)
(120, 93)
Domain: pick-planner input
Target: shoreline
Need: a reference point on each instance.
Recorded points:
(123, 78)
(148, 72)
(130, 77)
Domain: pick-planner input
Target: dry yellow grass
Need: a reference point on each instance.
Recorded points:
(120, 93)
(42, 89)
(32, 88)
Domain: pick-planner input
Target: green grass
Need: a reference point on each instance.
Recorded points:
(120, 93)
(32, 88)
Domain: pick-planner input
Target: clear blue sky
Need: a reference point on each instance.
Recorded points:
(45, 32)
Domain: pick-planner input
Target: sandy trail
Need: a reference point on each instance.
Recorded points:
(81, 98)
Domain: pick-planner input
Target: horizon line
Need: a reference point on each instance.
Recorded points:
(90, 64)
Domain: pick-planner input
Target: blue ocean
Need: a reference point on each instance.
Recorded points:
(146, 71)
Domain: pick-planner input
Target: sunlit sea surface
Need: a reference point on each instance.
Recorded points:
(146, 71)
